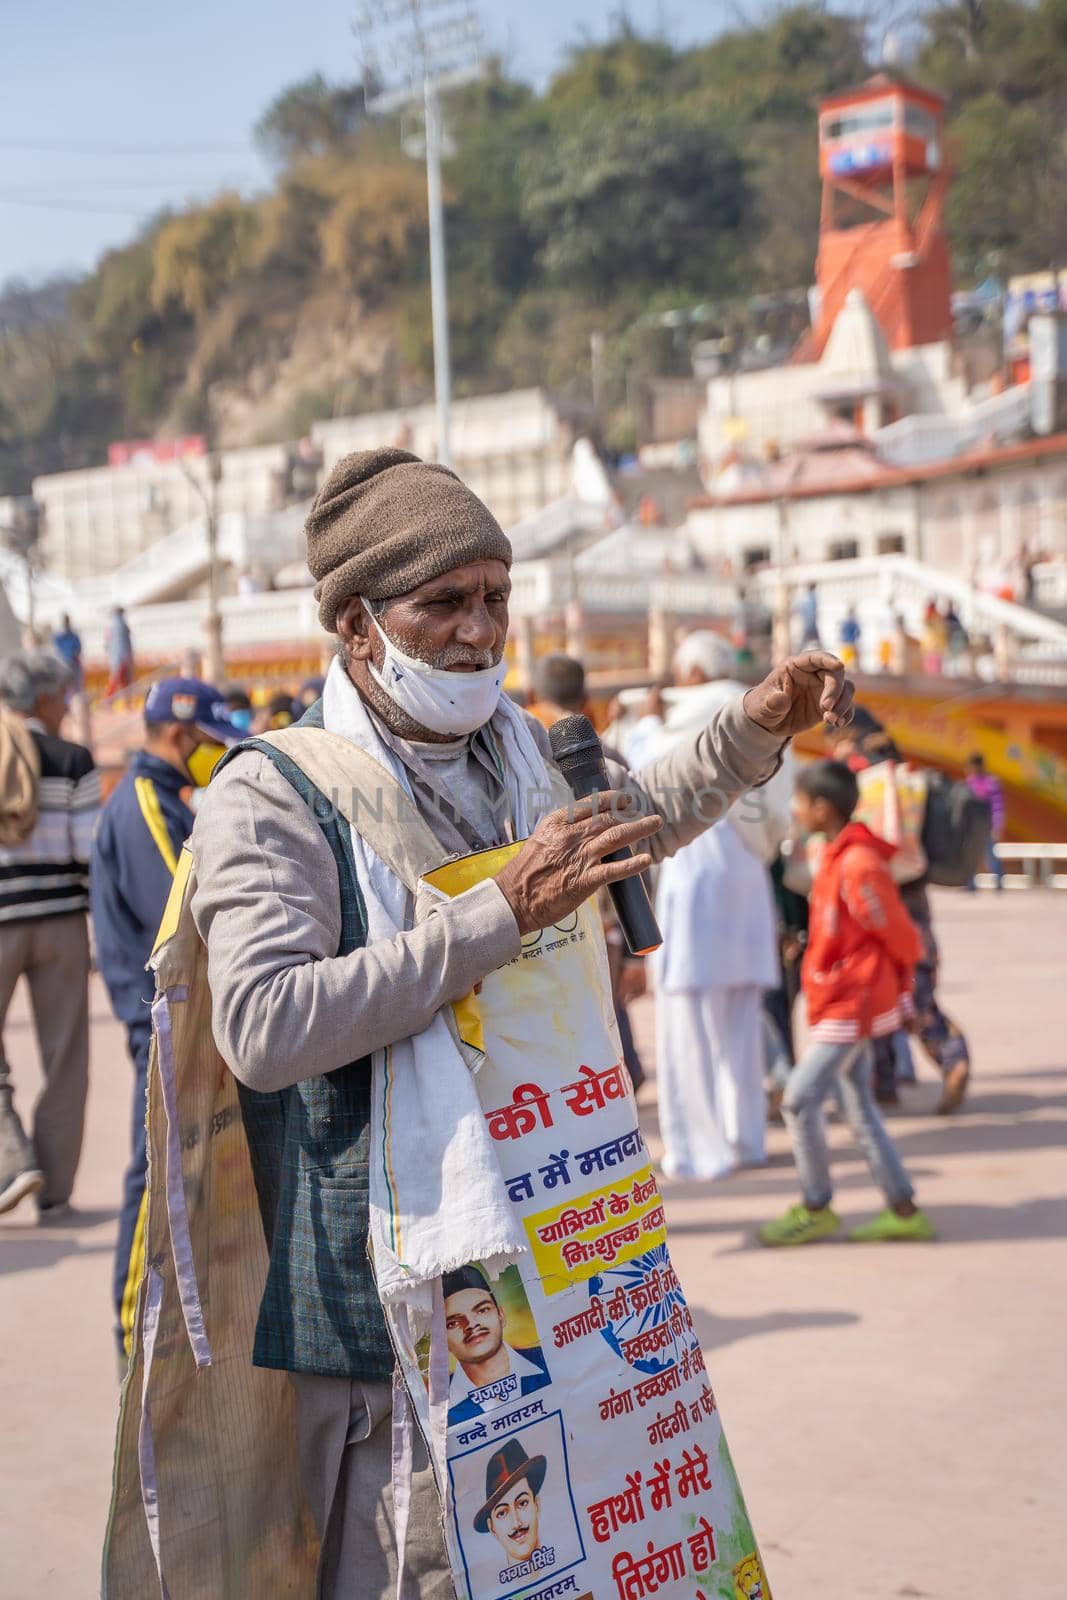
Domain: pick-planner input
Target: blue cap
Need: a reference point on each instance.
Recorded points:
(191, 701)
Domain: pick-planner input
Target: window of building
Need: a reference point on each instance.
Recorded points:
(872, 117)
(919, 122)
(843, 550)
(890, 544)
(755, 556)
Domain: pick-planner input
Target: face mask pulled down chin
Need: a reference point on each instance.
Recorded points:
(449, 703)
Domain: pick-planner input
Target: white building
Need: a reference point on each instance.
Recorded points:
(972, 515)
(513, 450)
(102, 517)
(858, 379)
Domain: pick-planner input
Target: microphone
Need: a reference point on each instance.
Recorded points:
(578, 755)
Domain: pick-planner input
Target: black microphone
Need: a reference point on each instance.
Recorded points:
(578, 755)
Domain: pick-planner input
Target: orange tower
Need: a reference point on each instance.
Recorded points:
(881, 150)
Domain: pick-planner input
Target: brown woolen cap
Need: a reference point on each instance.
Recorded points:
(384, 522)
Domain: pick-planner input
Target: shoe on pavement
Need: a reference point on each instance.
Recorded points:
(19, 1172)
(887, 1228)
(800, 1226)
(955, 1090)
(17, 1185)
(54, 1211)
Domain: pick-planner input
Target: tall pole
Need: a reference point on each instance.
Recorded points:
(216, 663)
(213, 651)
(442, 366)
(414, 51)
(781, 639)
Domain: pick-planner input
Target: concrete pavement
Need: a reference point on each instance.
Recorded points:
(896, 1414)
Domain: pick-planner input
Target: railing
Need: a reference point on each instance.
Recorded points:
(1037, 861)
(898, 583)
(540, 534)
(1050, 583)
(915, 440)
(279, 617)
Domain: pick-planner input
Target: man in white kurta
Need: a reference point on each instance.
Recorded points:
(720, 951)
(716, 913)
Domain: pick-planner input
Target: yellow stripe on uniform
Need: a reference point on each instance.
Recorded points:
(134, 1274)
(172, 910)
(152, 812)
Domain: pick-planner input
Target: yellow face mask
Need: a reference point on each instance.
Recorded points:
(203, 761)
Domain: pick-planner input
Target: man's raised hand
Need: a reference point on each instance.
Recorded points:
(805, 690)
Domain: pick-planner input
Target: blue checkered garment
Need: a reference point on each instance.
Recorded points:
(310, 1147)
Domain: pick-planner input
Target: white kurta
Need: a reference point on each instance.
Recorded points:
(716, 913)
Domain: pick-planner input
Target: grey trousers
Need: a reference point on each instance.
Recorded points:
(344, 1431)
(52, 953)
(810, 1084)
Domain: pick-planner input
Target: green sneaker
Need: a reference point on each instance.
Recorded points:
(887, 1226)
(800, 1226)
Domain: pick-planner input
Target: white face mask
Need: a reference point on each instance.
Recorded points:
(446, 702)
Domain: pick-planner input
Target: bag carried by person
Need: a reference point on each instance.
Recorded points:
(892, 804)
(20, 777)
(956, 830)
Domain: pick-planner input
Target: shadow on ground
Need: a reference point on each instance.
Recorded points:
(25, 1246)
(714, 1331)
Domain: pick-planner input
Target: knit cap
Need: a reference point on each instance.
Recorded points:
(385, 522)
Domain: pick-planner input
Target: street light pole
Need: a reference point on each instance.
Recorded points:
(412, 51)
(216, 660)
(442, 364)
(214, 653)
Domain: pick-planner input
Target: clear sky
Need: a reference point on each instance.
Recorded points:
(110, 109)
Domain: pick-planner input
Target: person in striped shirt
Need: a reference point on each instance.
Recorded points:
(44, 900)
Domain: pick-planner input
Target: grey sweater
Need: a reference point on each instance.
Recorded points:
(286, 1007)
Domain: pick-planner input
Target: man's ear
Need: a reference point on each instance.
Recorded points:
(353, 629)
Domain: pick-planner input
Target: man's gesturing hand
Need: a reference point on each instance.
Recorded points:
(801, 692)
(562, 862)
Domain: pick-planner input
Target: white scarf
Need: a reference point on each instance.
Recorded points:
(437, 1195)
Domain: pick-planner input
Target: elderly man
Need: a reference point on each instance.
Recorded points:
(413, 578)
(44, 900)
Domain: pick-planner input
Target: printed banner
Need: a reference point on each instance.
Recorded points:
(585, 1454)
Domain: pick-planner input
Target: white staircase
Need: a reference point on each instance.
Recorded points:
(915, 440)
(882, 587)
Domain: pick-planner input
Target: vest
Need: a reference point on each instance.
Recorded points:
(309, 1147)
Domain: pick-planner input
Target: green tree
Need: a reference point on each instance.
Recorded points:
(1008, 205)
(309, 119)
(375, 227)
(640, 201)
(201, 253)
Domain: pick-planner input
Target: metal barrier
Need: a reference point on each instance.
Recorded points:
(1037, 863)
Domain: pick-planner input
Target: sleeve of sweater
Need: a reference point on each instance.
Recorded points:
(874, 900)
(697, 781)
(285, 1005)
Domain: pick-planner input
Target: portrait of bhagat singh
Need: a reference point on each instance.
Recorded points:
(488, 1370)
(512, 1510)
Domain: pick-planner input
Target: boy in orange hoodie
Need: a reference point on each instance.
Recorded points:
(857, 977)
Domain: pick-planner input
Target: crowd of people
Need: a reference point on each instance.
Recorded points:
(769, 879)
(941, 648)
(726, 981)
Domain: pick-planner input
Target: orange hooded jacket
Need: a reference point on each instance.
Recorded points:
(862, 945)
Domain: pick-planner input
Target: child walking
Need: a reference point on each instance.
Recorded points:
(857, 975)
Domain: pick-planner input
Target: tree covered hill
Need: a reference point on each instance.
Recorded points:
(643, 178)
